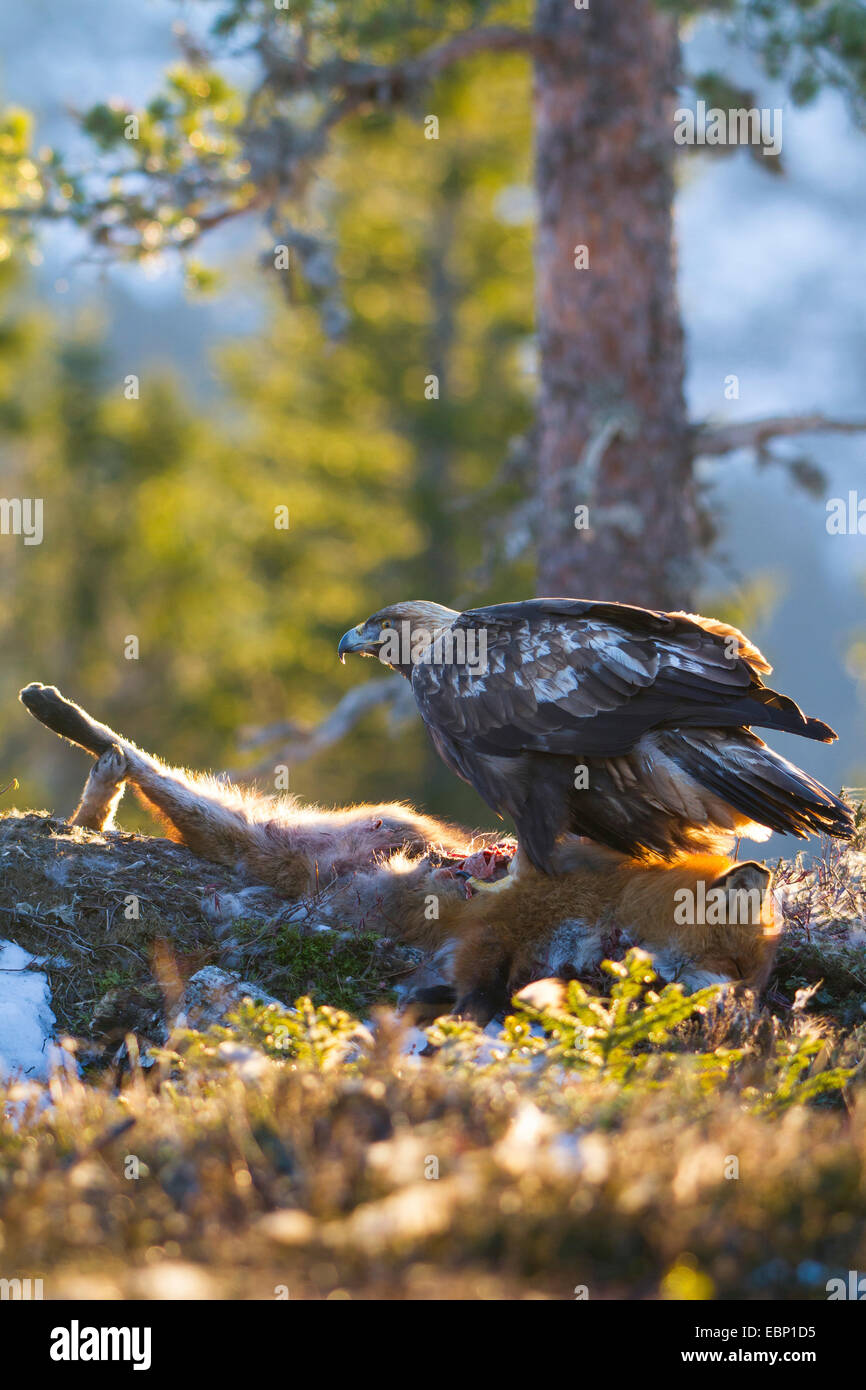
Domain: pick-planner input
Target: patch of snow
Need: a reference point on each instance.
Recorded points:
(250, 1064)
(413, 1042)
(26, 1017)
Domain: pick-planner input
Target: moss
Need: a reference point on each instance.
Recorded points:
(351, 970)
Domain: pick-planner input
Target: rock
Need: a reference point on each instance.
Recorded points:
(224, 908)
(211, 994)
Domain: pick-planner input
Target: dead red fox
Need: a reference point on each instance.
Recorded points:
(275, 839)
(704, 918)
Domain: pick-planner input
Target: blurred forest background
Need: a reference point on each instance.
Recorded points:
(261, 387)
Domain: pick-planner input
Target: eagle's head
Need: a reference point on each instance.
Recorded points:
(398, 634)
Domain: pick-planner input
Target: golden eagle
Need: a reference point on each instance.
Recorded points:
(629, 726)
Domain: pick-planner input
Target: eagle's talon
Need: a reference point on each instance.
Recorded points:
(481, 885)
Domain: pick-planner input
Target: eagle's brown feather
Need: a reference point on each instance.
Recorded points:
(623, 724)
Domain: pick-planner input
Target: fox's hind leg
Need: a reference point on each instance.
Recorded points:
(208, 819)
(214, 820)
(294, 850)
(102, 791)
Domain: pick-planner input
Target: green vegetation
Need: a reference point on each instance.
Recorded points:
(294, 1149)
(160, 511)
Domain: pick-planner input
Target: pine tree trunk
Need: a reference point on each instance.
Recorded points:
(613, 433)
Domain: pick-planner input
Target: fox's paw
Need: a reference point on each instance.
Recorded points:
(37, 696)
(111, 767)
(103, 790)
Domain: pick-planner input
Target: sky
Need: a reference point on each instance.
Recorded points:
(772, 290)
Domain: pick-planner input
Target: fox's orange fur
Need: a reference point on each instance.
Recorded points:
(275, 839)
(372, 866)
(532, 925)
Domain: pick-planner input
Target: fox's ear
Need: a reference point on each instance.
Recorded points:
(749, 875)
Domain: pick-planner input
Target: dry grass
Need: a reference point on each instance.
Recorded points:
(288, 1153)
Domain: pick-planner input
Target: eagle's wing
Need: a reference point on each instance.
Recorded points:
(566, 676)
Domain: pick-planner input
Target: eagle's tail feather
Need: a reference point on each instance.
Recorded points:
(681, 792)
(759, 783)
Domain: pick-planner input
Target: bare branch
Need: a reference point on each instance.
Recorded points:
(387, 82)
(714, 440)
(306, 743)
(492, 39)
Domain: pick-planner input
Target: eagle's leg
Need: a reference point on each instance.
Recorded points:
(102, 791)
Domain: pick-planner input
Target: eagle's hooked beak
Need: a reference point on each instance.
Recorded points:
(357, 639)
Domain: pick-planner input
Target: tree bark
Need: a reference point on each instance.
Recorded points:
(613, 431)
